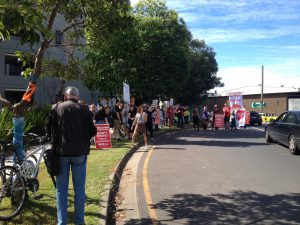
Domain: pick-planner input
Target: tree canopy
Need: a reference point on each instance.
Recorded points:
(148, 46)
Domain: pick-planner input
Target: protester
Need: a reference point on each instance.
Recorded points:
(139, 122)
(131, 116)
(162, 116)
(74, 128)
(170, 113)
(157, 117)
(205, 118)
(93, 109)
(179, 114)
(108, 112)
(233, 120)
(116, 114)
(226, 111)
(215, 111)
(100, 116)
(124, 114)
(186, 115)
(18, 120)
(196, 118)
(149, 123)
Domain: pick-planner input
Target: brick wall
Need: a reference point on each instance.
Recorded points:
(275, 102)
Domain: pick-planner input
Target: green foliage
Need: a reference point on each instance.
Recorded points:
(35, 121)
(203, 74)
(37, 118)
(6, 125)
(22, 17)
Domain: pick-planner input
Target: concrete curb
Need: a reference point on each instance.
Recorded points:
(107, 204)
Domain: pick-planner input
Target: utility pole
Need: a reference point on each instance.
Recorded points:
(262, 88)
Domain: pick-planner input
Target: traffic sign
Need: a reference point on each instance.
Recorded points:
(258, 105)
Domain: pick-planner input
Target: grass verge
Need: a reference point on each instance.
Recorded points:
(101, 164)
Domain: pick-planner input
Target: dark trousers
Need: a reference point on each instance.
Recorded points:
(196, 124)
(180, 121)
(186, 119)
(149, 129)
(233, 124)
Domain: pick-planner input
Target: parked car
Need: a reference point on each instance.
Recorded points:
(268, 117)
(264, 117)
(272, 116)
(285, 130)
(255, 118)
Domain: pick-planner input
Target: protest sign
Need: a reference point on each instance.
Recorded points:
(102, 138)
(126, 93)
(219, 120)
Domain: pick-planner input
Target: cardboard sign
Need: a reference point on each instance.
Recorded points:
(102, 138)
(219, 120)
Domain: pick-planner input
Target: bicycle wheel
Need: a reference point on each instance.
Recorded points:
(12, 192)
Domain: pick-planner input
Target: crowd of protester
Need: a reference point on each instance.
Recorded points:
(128, 120)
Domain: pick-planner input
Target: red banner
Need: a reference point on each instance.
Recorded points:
(219, 120)
(102, 138)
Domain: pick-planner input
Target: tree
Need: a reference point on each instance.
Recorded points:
(163, 61)
(203, 73)
(34, 20)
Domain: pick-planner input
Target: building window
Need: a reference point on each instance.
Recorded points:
(14, 96)
(12, 66)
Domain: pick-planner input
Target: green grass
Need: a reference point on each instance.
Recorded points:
(101, 163)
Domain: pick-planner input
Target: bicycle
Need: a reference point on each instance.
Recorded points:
(7, 147)
(17, 179)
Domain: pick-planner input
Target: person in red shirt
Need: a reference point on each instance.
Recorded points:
(226, 111)
(171, 112)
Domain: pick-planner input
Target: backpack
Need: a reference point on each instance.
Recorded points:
(51, 159)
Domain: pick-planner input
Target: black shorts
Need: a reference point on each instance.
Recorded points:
(226, 119)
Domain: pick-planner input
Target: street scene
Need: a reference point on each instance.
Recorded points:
(149, 112)
(211, 177)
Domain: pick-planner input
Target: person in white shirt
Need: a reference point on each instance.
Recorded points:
(139, 125)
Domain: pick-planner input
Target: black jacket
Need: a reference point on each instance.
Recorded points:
(73, 127)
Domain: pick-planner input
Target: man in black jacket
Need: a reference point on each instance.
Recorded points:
(73, 128)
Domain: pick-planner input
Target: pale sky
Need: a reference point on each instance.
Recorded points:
(245, 35)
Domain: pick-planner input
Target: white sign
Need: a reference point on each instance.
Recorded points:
(155, 102)
(294, 103)
(171, 101)
(126, 93)
(236, 100)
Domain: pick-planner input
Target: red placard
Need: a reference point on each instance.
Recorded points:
(247, 118)
(102, 138)
(219, 120)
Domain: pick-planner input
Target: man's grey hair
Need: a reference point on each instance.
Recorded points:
(71, 92)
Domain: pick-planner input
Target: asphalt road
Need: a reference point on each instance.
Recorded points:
(217, 177)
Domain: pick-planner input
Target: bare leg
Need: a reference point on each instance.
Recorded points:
(145, 139)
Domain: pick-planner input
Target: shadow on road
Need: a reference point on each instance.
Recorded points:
(238, 207)
(218, 138)
(225, 134)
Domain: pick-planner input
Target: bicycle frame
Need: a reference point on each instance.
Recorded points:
(41, 150)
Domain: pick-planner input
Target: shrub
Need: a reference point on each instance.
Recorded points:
(35, 121)
(37, 118)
